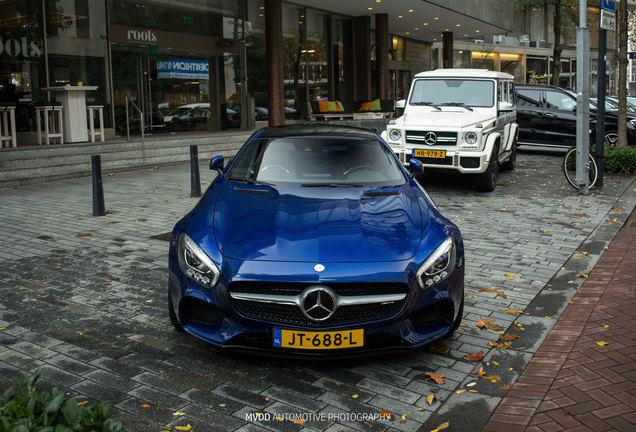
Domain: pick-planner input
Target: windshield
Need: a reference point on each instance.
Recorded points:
(317, 161)
(452, 92)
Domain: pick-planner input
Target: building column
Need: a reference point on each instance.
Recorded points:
(382, 54)
(447, 50)
(273, 48)
(346, 91)
(362, 57)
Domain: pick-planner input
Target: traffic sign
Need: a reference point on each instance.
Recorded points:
(609, 5)
(608, 20)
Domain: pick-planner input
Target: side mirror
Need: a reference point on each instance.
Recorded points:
(415, 166)
(217, 164)
(401, 104)
(505, 106)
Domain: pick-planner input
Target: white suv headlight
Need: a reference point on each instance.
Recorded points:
(395, 134)
(438, 264)
(196, 263)
(471, 138)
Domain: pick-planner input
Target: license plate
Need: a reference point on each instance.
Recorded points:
(318, 340)
(438, 154)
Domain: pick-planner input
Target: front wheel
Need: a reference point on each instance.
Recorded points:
(511, 163)
(487, 181)
(569, 169)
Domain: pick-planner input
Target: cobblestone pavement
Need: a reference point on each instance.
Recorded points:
(83, 300)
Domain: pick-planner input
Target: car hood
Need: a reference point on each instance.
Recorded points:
(318, 224)
(459, 117)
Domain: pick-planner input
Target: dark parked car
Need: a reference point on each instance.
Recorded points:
(196, 118)
(316, 240)
(547, 117)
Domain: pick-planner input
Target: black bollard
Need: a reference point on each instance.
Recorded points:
(195, 180)
(99, 208)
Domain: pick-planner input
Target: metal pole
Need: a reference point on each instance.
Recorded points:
(600, 109)
(582, 99)
(99, 208)
(195, 180)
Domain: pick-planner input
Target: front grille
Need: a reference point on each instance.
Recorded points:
(295, 288)
(441, 138)
(292, 315)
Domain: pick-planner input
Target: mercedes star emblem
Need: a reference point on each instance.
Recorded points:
(319, 268)
(318, 303)
(430, 138)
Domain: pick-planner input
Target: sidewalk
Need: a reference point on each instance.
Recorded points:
(583, 377)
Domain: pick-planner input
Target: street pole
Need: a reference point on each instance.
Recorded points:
(582, 100)
(600, 108)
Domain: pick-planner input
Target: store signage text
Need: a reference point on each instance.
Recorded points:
(183, 68)
(147, 36)
(23, 47)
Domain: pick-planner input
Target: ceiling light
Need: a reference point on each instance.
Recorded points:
(458, 25)
(410, 10)
(370, 8)
(400, 16)
(436, 18)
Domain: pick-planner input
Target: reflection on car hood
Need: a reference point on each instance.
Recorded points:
(317, 224)
(431, 118)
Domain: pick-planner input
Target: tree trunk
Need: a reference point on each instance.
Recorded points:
(558, 46)
(622, 74)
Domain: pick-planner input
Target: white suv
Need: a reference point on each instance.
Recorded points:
(458, 119)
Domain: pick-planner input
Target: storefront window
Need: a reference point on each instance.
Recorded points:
(536, 70)
(461, 59)
(512, 64)
(485, 60)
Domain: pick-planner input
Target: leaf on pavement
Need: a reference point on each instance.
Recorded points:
(481, 372)
(602, 343)
(404, 416)
(493, 378)
(487, 290)
(509, 275)
(439, 379)
(513, 311)
(582, 275)
(183, 428)
(484, 322)
(299, 421)
(385, 414)
(145, 406)
(509, 337)
(430, 398)
(501, 294)
(441, 427)
(84, 234)
(475, 356)
(581, 215)
(178, 413)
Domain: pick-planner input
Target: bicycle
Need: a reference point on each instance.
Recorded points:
(569, 169)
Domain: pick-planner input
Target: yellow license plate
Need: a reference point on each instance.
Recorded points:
(439, 154)
(318, 340)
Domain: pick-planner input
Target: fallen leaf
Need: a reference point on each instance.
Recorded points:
(441, 427)
(439, 379)
(605, 326)
(512, 311)
(430, 398)
(178, 413)
(481, 372)
(475, 356)
(460, 391)
(586, 253)
(509, 275)
(84, 234)
(299, 421)
(509, 337)
(487, 290)
(580, 215)
(602, 343)
(209, 374)
(156, 167)
(145, 406)
(506, 388)
(222, 405)
(472, 384)
(385, 414)
(582, 275)
(183, 428)
(501, 294)
(82, 403)
(493, 378)
(355, 396)
(404, 416)
(111, 174)
(484, 322)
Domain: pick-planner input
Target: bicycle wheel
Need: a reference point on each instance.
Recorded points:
(569, 169)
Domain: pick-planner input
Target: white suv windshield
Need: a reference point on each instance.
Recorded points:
(438, 92)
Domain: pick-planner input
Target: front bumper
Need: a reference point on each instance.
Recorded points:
(465, 162)
(212, 315)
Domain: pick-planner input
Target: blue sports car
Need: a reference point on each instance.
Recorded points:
(315, 241)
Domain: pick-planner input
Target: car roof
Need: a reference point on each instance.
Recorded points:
(464, 73)
(321, 129)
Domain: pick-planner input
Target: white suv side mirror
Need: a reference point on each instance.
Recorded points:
(505, 106)
(401, 104)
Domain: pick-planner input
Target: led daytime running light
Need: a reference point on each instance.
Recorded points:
(444, 255)
(196, 263)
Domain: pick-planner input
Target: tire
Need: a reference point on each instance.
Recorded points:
(487, 181)
(173, 317)
(458, 319)
(511, 163)
(569, 169)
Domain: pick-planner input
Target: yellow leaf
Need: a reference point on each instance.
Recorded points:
(510, 275)
(183, 428)
(471, 384)
(582, 275)
(404, 416)
(299, 421)
(481, 372)
(222, 405)
(145, 406)
(420, 409)
(435, 377)
(385, 414)
(441, 427)
(604, 326)
(602, 343)
(82, 403)
(178, 413)
(355, 396)
(430, 399)
(460, 391)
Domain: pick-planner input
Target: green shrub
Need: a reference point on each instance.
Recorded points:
(25, 408)
(620, 159)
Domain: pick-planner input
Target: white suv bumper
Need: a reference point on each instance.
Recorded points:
(465, 162)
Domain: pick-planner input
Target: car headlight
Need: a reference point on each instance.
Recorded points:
(470, 138)
(196, 263)
(437, 266)
(395, 134)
